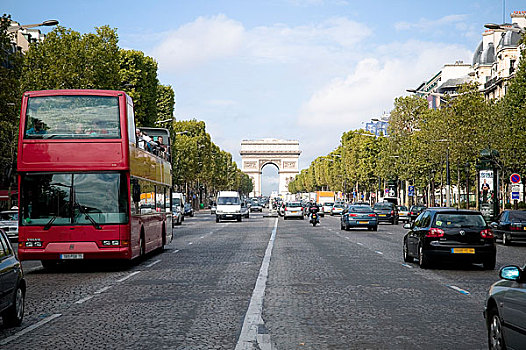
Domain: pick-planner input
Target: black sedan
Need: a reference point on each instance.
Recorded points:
(415, 210)
(387, 211)
(505, 310)
(439, 234)
(510, 226)
(12, 284)
(188, 210)
(359, 216)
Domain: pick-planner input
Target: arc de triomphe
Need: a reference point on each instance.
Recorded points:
(284, 154)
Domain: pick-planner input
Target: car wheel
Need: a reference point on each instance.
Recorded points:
(284, 218)
(347, 227)
(239, 218)
(506, 239)
(302, 217)
(341, 227)
(14, 315)
(407, 258)
(423, 259)
(489, 264)
(495, 336)
(217, 218)
(375, 228)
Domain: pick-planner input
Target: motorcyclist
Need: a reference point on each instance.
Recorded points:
(314, 209)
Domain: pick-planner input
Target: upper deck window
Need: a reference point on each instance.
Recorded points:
(72, 117)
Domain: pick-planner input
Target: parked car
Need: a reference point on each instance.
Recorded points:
(293, 210)
(386, 211)
(188, 210)
(440, 234)
(504, 310)
(337, 209)
(506, 301)
(9, 223)
(415, 210)
(510, 226)
(256, 206)
(359, 216)
(403, 213)
(12, 284)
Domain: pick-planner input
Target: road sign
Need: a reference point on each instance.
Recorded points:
(411, 191)
(514, 195)
(515, 178)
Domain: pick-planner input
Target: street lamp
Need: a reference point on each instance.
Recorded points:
(448, 175)
(504, 28)
(48, 23)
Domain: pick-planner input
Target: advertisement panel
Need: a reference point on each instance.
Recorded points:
(486, 193)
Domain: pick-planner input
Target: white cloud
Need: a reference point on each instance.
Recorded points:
(371, 87)
(202, 40)
(427, 24)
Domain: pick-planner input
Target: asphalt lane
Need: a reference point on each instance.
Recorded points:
(326, 289)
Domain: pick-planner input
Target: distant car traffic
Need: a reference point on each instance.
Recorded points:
(415, 210)
(255, 206)
(9, 223)
(403, 213)
(188, 210)
(386, 211)
(12, 284)
(359, 216)
(245, 209)
(337, 209)
(213, 208)
(177, 216)
(440, 234)
(510, 226)
(293, 210)
(504, 310)
(326, 208)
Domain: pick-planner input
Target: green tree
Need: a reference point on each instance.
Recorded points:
(165, 102)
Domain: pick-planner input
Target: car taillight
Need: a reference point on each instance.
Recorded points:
(285, 208)
(515, 228)
(487, 233)
(435, 232)
(372, 215)
(412, 213)
(392, 212)
(354, 215)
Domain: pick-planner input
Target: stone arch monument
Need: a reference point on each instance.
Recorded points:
(284, 154)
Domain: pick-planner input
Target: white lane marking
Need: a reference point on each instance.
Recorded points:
(153, 263)
(102, 290)
(249, 337)
(83, 300)
(378, 252)
(126, 277)
(190, 243)
(202, 237)
(176, 251)
(359, 243)
(29, 329)
(407, 265)
(347, 238)
(389, 233)
(460, 290)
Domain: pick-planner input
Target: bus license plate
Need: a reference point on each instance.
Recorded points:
(363, 222)
(463, 250)
(382, 215)
(71, 256)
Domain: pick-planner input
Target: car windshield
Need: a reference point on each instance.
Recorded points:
(417, 208)
(403, 208)
(9, 216)
(360, 209)
(328, 204)
(383, 206)
(447, 220)
(518, 215)
(228, 201)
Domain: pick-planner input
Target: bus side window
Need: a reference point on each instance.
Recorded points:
(131, 123)
(136, 195)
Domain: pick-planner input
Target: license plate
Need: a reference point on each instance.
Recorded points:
(463, 250)
(363, 222)
(71, 256)
(524, 228)
(382, 215)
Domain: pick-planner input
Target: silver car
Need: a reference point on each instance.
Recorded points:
(293, 210)
(9, 223)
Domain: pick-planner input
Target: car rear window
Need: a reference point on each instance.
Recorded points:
(518, 215)
(383, 206)
(361, 209)
(293, 205)
(449, 220)
(404, 208)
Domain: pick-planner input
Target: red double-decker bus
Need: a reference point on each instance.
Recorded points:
(86, 188)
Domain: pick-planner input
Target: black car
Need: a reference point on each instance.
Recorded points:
(386, 211)
(510, 226)
(415, 210)
(12, 284)
(359, 216)
(188, 210)
(439, 234)
(505, 310)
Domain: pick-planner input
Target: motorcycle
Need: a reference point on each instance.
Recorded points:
(314, 219)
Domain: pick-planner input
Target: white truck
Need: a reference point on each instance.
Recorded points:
(228, 206)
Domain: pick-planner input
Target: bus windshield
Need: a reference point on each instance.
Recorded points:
(74, 199)
(72, 117)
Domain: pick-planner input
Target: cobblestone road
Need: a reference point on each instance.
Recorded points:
(326, 289)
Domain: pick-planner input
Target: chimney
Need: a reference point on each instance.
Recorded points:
(519, 17)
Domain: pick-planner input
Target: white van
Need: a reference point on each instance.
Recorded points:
(228, 206)
(178, 200)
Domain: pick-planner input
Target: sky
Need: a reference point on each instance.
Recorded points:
(304, 70)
